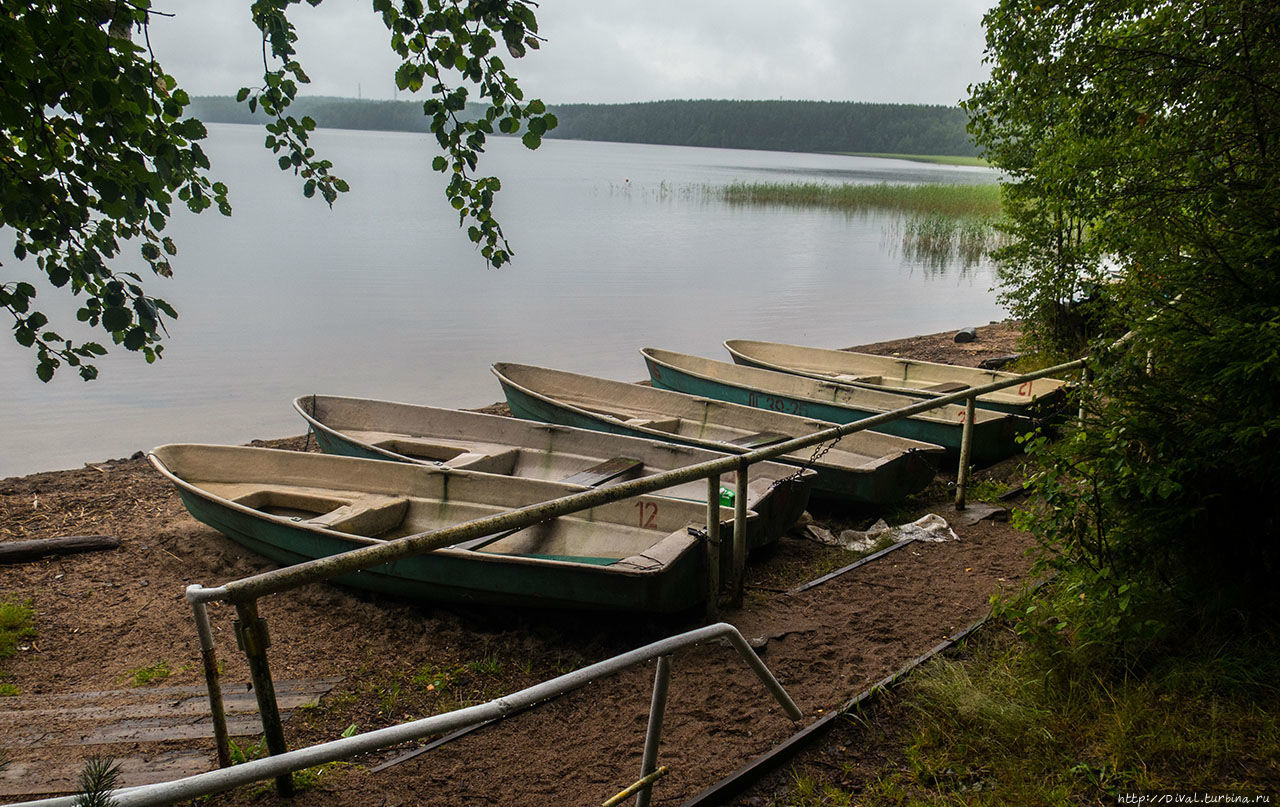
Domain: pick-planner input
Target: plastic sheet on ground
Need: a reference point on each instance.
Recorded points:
(932, 527)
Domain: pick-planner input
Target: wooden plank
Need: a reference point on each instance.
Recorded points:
(104, 718)
(317, 685)
(147, 730)
(606, 471)
(946, 387)
(238, 703)
(27, 778)
(760, 439)
(23, 551)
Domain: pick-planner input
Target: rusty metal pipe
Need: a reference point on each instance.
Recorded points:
(209, 658)
(966, 447)
(653, 735)
(713, 547)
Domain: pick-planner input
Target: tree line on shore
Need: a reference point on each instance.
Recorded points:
(773, 125)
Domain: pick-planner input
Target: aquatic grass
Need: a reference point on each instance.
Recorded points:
(926, 199)
(937, 159)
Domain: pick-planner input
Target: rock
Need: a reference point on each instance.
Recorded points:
(981, 511)
(967, 335)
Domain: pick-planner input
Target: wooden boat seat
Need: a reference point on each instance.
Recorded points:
(420, 448)
(489, 462)
(368, 514)
(603, 472)
(759, 439)
(857, 379)
(946, 387)
(667, 425)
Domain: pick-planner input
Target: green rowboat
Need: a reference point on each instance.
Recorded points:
(994, 433)
(919, 379)
(451, 438)
(866, 467)
(289, 506)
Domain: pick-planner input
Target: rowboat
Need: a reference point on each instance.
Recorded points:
(867, 467)
(920, 379)
(994, 433)
(427, 435)
(636, 555)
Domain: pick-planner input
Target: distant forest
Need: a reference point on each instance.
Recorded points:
(772, 125)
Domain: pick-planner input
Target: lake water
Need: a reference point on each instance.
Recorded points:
(617, 248)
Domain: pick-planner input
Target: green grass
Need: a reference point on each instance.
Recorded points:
(938, 159)
(148, 675)
(1011, 723)
(947, 200)
(17, 622)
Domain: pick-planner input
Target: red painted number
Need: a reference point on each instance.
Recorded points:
(648, 512)
(1025, 388)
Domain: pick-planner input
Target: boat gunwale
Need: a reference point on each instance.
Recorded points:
(467, 554)
(981, 418)
(999, 397)
(781, 470)
(871, 463)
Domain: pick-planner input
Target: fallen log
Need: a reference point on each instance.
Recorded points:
(23, 551)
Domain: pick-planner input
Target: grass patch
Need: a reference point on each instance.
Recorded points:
(9, 690)
(17, 622)
(148, 675)
(1012, 722)
(937, 159)
(949, 200)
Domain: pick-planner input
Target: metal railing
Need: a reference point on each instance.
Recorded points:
(284, 764)
(251, 633)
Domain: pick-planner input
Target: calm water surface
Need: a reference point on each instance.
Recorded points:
(617, 248)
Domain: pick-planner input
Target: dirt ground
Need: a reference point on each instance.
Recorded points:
(103, 617)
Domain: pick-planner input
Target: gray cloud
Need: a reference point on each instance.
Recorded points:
(908, 51)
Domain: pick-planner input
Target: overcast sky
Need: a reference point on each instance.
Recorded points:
(603, 51)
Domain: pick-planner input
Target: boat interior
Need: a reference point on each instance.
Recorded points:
(372, 518)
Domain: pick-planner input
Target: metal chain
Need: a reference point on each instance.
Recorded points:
(819, 451)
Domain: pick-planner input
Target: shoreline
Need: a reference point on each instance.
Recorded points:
(113, 625)
(994, 339)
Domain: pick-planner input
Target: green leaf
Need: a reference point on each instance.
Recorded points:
(135, 338)
(116, 318)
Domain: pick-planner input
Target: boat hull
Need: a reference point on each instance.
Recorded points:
(994, 438)
(891, 480)
(352, 427)
(459, 575)
(1033, 399)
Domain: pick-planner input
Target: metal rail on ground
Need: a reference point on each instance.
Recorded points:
(244, 593)
(284, 764)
